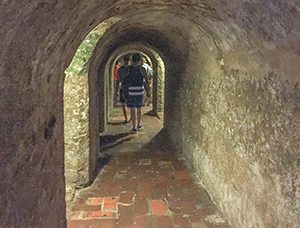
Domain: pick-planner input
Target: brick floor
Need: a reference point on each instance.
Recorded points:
(143, 183)
(158, 207)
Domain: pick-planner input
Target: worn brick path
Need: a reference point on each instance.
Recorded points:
(142, 183)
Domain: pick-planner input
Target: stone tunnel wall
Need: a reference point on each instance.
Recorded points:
(243, 142)
(160, 99)
(77, 137)
(237, 121)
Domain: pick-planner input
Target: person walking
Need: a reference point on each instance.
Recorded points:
(115, 77)
(137, 82)
(121, 88)
(149, 71)
(147, 67)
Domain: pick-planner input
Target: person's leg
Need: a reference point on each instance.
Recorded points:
(115, 93)
(134, 129)
(123, 103)
(125, 112)
(139, 112)
(133, 117)
(139, 117)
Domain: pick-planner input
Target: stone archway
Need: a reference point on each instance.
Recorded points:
(109, 71)
(158, 69)
(80, 113)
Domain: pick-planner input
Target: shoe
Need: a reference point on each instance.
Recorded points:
(133, 131)
(127, 122)
(140, 128)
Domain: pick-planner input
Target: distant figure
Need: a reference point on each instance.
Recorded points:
(137, 81)
(121, 84)
(149, 71)
(147, 67)
(115, 77)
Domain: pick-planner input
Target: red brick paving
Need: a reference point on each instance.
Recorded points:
(99, 215)
(126, 197)
(143, 185)
(110, 207)
(94, 201)
(158, 207)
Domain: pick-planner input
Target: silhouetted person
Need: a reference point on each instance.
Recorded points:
(137, 81)
(123, 92)
(115, 77)
(149, 72)
(147, 67)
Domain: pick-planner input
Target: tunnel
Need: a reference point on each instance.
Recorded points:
(231, 100)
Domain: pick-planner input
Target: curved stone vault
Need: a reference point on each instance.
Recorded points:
(158, 78)
(232, 99)
(81, 137)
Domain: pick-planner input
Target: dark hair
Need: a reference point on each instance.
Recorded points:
(136, 57)
(126, 58)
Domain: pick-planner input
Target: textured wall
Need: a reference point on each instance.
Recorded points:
(76, 131)
(237, 121)
(232, 99)
(161, 74)
(244, 144)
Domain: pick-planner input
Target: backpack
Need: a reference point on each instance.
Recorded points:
(123, 74)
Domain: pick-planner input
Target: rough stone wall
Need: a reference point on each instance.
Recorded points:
(256, 124)
(160, 100)
(244, 145)
(76, 131)
(238, 123)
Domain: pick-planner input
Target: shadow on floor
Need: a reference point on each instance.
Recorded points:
(116, 123)
(107, 147)
(151, 113)
(101, 163)
(107, 142)
(161, 142)
(111, 139)
(111, 144)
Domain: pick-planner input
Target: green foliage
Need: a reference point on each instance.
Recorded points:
(79, 64)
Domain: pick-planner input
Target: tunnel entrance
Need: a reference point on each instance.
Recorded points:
(153, 106)
(147, 65)
(89, 102)
(93, 112)
(139, 174)
(155, 103)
